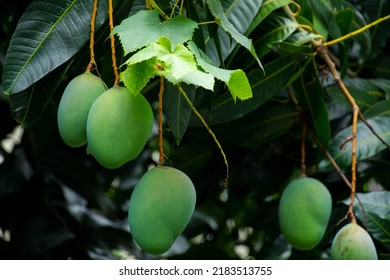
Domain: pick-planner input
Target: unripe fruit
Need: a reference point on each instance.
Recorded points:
(304, 211)
(74, 106)
(160, 208)
(118, 126)
(352, 242)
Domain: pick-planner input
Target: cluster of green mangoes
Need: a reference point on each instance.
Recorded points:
(160, 208)
(113, 122)
(116, 125)
(304, 212)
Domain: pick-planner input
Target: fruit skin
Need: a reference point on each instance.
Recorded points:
(304, 211)
(352, 242)
(119, 125)
(160, 208)
(74, 106)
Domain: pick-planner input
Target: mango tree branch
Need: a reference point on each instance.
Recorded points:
(92, 62)
(323, 53)
(112, 38)
(160, 121)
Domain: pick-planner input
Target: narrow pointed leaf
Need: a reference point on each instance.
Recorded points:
(48, 34)
(177, 110)
(145, 27)
(376, 212)
(267, 7)
(241, 13)
(279, 28)
(368, 144)
(28, 105)
(221, 19)
(310, 94)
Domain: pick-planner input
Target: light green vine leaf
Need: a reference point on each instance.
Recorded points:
(158, 58)
(221, 19)
(136, 76)
(236, 80)
(144, 27)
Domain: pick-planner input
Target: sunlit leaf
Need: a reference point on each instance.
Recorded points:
(278, 74)
(236, 80)
(136, 76)
(145, 27)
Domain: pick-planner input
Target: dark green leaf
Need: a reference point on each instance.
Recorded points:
(266, 9)
(377, 213)
(278, 29)
(310, 95)
(261, 126)
(221, 19)
(241, 13)
(368, 144)
(177, 110)
(47, 35)
(27, 106)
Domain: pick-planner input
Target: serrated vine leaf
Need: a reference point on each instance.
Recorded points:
(236, 80)
(136, 76)
(48, 34)
(368, 144)
(145, 27)
(221, 19)
(176, 66)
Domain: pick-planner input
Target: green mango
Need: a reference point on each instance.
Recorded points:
(304, 212)
(118, 126)
(74, 106)
(160, 208)
(352, 242)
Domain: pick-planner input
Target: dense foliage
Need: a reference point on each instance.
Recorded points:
(58, 202)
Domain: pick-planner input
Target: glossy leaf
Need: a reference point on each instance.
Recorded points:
(177, 110)
(267, 7)
(241, 13)
(376, 206)
(261, 126)
(278, 29)
(27, 106)
(48, 34)
(368, 144)
(221, 19)
(145, 27)
(310, 95)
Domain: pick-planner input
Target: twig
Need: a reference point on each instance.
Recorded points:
(160, 121)
(92, 62)
(209, 131)
(112, 38)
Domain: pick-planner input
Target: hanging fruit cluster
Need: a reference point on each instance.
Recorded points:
(116, 124)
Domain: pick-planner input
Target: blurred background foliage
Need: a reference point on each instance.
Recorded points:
(58, 203)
